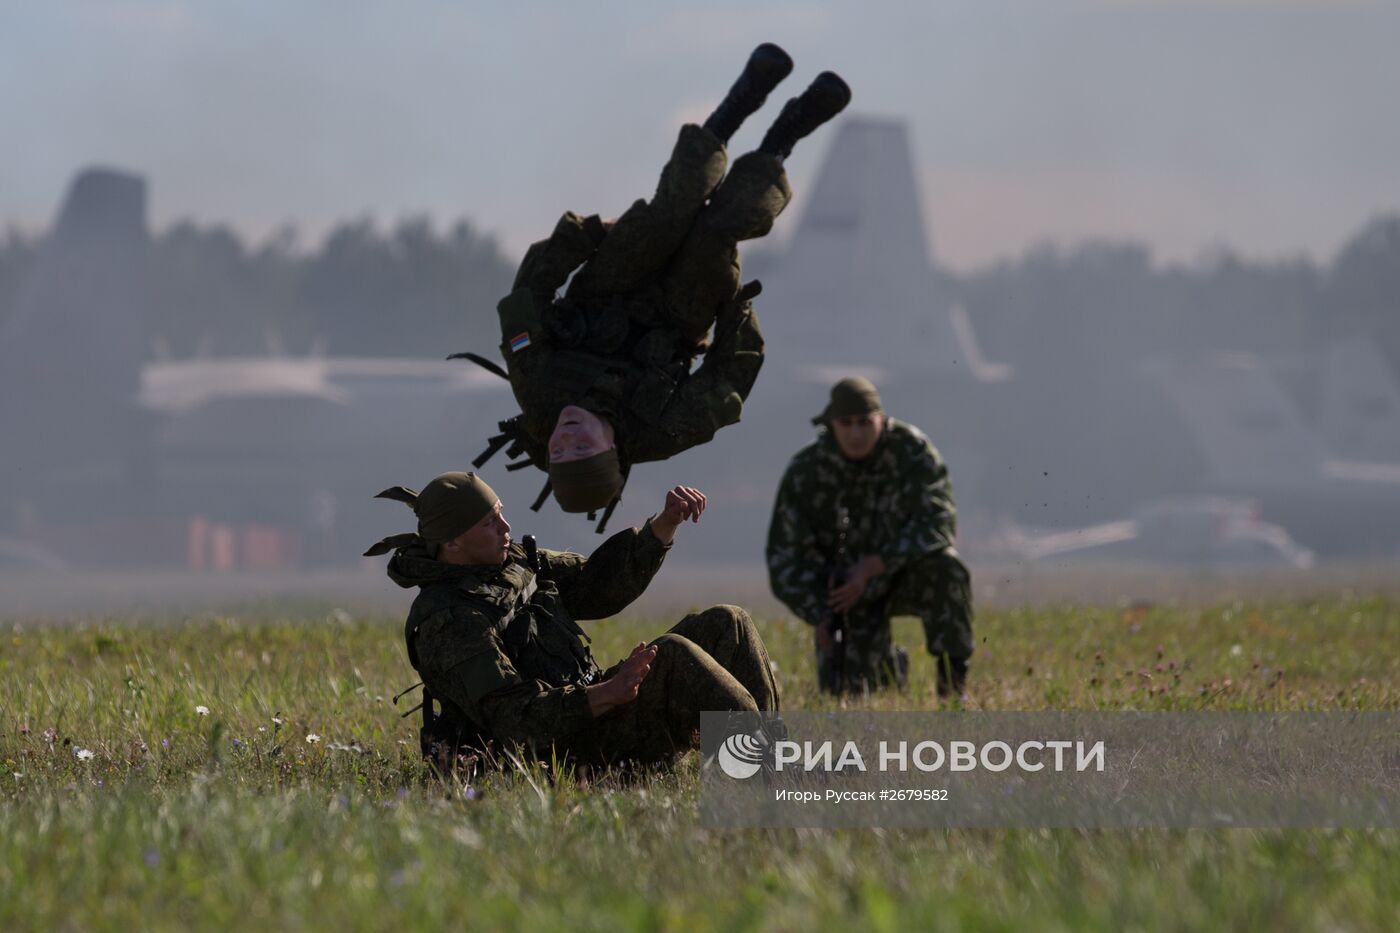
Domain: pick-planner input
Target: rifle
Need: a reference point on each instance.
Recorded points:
(838, 620)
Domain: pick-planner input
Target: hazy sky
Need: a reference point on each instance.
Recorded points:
(1267, 126)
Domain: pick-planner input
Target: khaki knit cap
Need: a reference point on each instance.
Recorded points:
(451, 504)
(850, 397)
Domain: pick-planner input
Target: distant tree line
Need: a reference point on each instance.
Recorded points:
(1056, 308)
(411, 290)
(416, 290)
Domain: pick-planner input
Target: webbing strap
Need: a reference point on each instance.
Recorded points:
(483, 362)
(493, 445)
(543, 497)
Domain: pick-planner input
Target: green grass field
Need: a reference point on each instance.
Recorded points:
(298, 798)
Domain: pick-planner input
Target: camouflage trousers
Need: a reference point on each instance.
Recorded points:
(938, 589)
(711, 660)
(680, 249)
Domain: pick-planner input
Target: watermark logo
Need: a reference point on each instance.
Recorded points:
(1087, 769)
(741, 756)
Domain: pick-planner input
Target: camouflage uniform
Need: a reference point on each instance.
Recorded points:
(900, 506)
(500, 649)
(621, 340)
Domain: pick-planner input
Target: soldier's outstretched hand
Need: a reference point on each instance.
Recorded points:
(682, 502)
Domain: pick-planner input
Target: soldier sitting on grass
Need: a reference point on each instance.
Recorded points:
(494, 634)
(602, 372)
(862, 530)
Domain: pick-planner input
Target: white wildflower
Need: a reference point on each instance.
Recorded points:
(202, 710)
(467, 836)
(312, 738)
(84, 754)
(1236, 651)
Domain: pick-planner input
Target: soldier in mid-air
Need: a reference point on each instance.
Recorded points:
(494, 635)
(862, 530)
(602, 372)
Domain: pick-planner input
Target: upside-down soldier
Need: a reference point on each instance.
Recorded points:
(606, 318)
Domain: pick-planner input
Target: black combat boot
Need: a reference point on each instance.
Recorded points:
(952, 675)
(766, 67)
(824, 98)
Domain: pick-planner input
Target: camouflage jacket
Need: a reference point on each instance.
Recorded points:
(500, 648)
(899, 500)
(615, 360)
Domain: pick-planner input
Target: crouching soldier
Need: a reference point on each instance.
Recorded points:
(862, 530)
(494, 635)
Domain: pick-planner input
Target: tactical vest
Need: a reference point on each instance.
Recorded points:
(541, 639)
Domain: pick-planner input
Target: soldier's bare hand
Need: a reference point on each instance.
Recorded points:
(635, 669)
(684, 502)
(843, 598)
(623, 686)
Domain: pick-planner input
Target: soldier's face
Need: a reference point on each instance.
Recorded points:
(486, 542)
(578, 434)
(857, 435)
